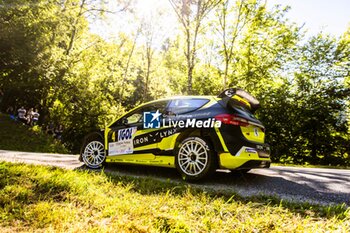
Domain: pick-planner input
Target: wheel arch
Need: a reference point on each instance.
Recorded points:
(205, 134)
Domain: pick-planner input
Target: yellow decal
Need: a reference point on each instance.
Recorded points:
(253, 133)
(221, 139)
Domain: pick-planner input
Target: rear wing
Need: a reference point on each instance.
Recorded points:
(240, 97)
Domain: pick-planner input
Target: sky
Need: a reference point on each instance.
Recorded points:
(330, 16)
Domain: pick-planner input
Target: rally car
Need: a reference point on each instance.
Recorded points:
(194, 134)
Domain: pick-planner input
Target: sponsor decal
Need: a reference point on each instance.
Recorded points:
(124, 145)
(256, 132)
(151, 119)
(250, 150)
(154, 137)
(126, 134)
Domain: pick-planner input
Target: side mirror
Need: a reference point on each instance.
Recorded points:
(124, 121)
(168, 114)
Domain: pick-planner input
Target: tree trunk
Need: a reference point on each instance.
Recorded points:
(189, 81)
(225, 74)
(127, 66)
(147, 75)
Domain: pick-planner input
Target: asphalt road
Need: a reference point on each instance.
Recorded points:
(314, 185)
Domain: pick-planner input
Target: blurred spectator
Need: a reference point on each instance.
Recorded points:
(59, 132)
(29, 116)
(35, 117)
(50, 128)
(1, 95)
(11, 111)
(22, 114)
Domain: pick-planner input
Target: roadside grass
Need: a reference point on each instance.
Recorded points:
(38, 198)
(17, 136)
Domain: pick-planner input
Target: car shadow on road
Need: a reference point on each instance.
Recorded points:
(298, 189)
(225, 183)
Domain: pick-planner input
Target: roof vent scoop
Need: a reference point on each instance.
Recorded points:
(241, 97)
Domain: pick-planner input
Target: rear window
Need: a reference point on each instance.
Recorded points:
(181, 106)
(240, 110)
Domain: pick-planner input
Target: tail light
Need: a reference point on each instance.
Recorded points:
(231, 119)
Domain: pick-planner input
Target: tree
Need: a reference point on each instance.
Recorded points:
(233, 18)
(152, 33)
(45, 61)
(264, 50)
(305, 117)
(322, 95)
(191, 14)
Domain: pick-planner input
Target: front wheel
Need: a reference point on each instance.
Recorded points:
(194, 159)
(93, 153)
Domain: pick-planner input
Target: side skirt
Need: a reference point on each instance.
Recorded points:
(143, 159)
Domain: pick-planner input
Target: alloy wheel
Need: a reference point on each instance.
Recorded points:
(94, 154)
(193, 157)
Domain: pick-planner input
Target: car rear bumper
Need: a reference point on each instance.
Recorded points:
(243, 161)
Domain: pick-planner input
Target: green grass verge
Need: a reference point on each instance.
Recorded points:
(38, 198)
(17, 136)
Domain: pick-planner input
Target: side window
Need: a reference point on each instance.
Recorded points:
(131, 118)
(137, 115)
(161, 106)
(181, 106)
(134, 118)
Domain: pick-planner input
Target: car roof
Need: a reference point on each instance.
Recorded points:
(209, 97)
(179, 97)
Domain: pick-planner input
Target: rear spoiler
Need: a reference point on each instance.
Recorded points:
(240, 97)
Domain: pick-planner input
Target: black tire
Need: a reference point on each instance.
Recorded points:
(244, 171)
(195, 159)
(240, 171)
(93, 152)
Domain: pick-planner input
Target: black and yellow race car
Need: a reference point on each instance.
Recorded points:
(194, 134)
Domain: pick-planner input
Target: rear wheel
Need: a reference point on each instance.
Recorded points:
(93, 153)
(194, 159)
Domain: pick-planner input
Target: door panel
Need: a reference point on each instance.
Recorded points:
(128, 140)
